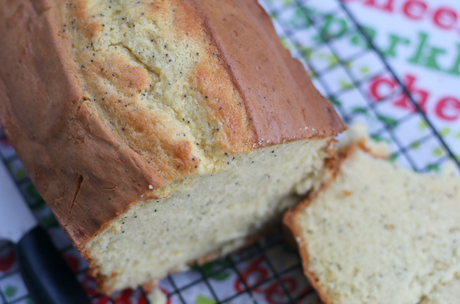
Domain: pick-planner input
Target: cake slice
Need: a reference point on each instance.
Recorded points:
(160, 132)
(379, 233)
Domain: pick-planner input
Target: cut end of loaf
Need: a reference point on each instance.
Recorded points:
(379, 233)
(210, 214)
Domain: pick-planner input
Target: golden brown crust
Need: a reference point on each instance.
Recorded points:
(87, 175)
(119, 85)
(148, 287)
(65, 120)
(212, 79)
(279, 98)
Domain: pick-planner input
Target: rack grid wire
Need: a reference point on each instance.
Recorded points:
(267, 271)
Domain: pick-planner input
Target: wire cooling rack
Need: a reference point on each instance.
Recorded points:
(268, 271)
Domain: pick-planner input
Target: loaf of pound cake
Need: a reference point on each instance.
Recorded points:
(380, 233)
(160, 132)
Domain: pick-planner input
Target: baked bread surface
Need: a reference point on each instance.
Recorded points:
(159, 132)
(106, 102)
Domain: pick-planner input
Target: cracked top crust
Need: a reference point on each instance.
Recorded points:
(108, 101)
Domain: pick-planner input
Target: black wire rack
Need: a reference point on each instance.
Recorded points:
(268, 271)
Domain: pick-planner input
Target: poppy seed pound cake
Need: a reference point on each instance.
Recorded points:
(380, 233)
(160, 132)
